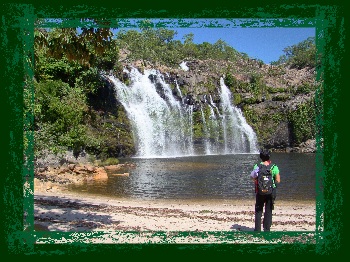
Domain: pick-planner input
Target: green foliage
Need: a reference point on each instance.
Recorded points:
(68, 66)
(156, 46)
(237, 99)
(159, 47)
(210, 86)
(112, 134)
(230, 80)
(67, 42)
(89, 80)
(303, 122)
(276, 71)
(220, 50)
(110, 161)
(252, 118)
(243, 86)
(257, 88)
(278, 117)
(59, 116)
(250, 100)
(281, 97)
(108, 60)
(48, 68)
(264, 123)
(255, 81)
(63, 53)
(305, 88)
(273, 90)
(300, 55)
(198, 131)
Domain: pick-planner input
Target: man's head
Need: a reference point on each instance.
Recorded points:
(265, 155)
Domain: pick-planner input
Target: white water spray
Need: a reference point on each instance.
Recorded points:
(162, 125)
(239, 136)
(184, 66)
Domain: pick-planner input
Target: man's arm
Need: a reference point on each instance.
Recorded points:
(254, 173)
(277, 178)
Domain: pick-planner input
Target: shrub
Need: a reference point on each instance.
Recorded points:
(110, 161)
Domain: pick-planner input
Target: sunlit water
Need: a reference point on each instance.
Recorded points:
(214, 177)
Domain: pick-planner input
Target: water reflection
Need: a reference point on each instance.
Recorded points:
(207, 178)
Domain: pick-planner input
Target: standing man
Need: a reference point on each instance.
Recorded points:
(265, 197)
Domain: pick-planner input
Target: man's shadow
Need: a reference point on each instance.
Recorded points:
(237, 227)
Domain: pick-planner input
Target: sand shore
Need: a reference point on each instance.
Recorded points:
(136, 221)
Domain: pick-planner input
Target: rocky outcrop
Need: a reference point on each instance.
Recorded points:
(278, 92)
(308, 146)
(58, 178)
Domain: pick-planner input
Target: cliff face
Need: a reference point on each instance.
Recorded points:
(277, 102)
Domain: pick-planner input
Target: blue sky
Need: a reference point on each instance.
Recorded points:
(265, 43)
(261, 40)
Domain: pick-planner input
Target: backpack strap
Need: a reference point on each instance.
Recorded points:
(260, 165)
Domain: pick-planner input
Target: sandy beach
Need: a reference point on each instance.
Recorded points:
(136, 221)
(80, 216)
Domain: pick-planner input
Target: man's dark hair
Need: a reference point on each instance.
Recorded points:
(265, 155)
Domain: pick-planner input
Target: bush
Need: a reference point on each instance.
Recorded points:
(230, 80)
(237, 99)
(303, 122)
(110, 161)
(304, 89)
(300, 55)
(281, 97)
(59, 118)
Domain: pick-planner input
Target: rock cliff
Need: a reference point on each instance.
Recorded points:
(277, 102)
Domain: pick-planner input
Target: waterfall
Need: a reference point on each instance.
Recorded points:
(162, 124)
(206, 134)
(190, 121)
(184, 66)
(214, 126)
(178, 89)
(238, 135)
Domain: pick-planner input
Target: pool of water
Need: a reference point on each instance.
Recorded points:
(209, 177)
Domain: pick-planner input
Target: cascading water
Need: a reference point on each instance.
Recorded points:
(238, 135)
(207, 143)
(163, 124)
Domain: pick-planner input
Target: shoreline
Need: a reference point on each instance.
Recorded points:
(116, 218)
(125, 220)
(135, 201)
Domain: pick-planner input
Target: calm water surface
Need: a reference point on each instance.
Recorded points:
(214, 177)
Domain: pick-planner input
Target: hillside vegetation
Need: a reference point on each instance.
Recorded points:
(76, 109)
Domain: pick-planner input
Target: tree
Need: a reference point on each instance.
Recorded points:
(59, 118)
(68, 66)
(63, 54)
(190, 49)
(300, 55)
(165, 35)
(67, 42)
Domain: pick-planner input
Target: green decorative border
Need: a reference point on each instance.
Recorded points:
(17, 36)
